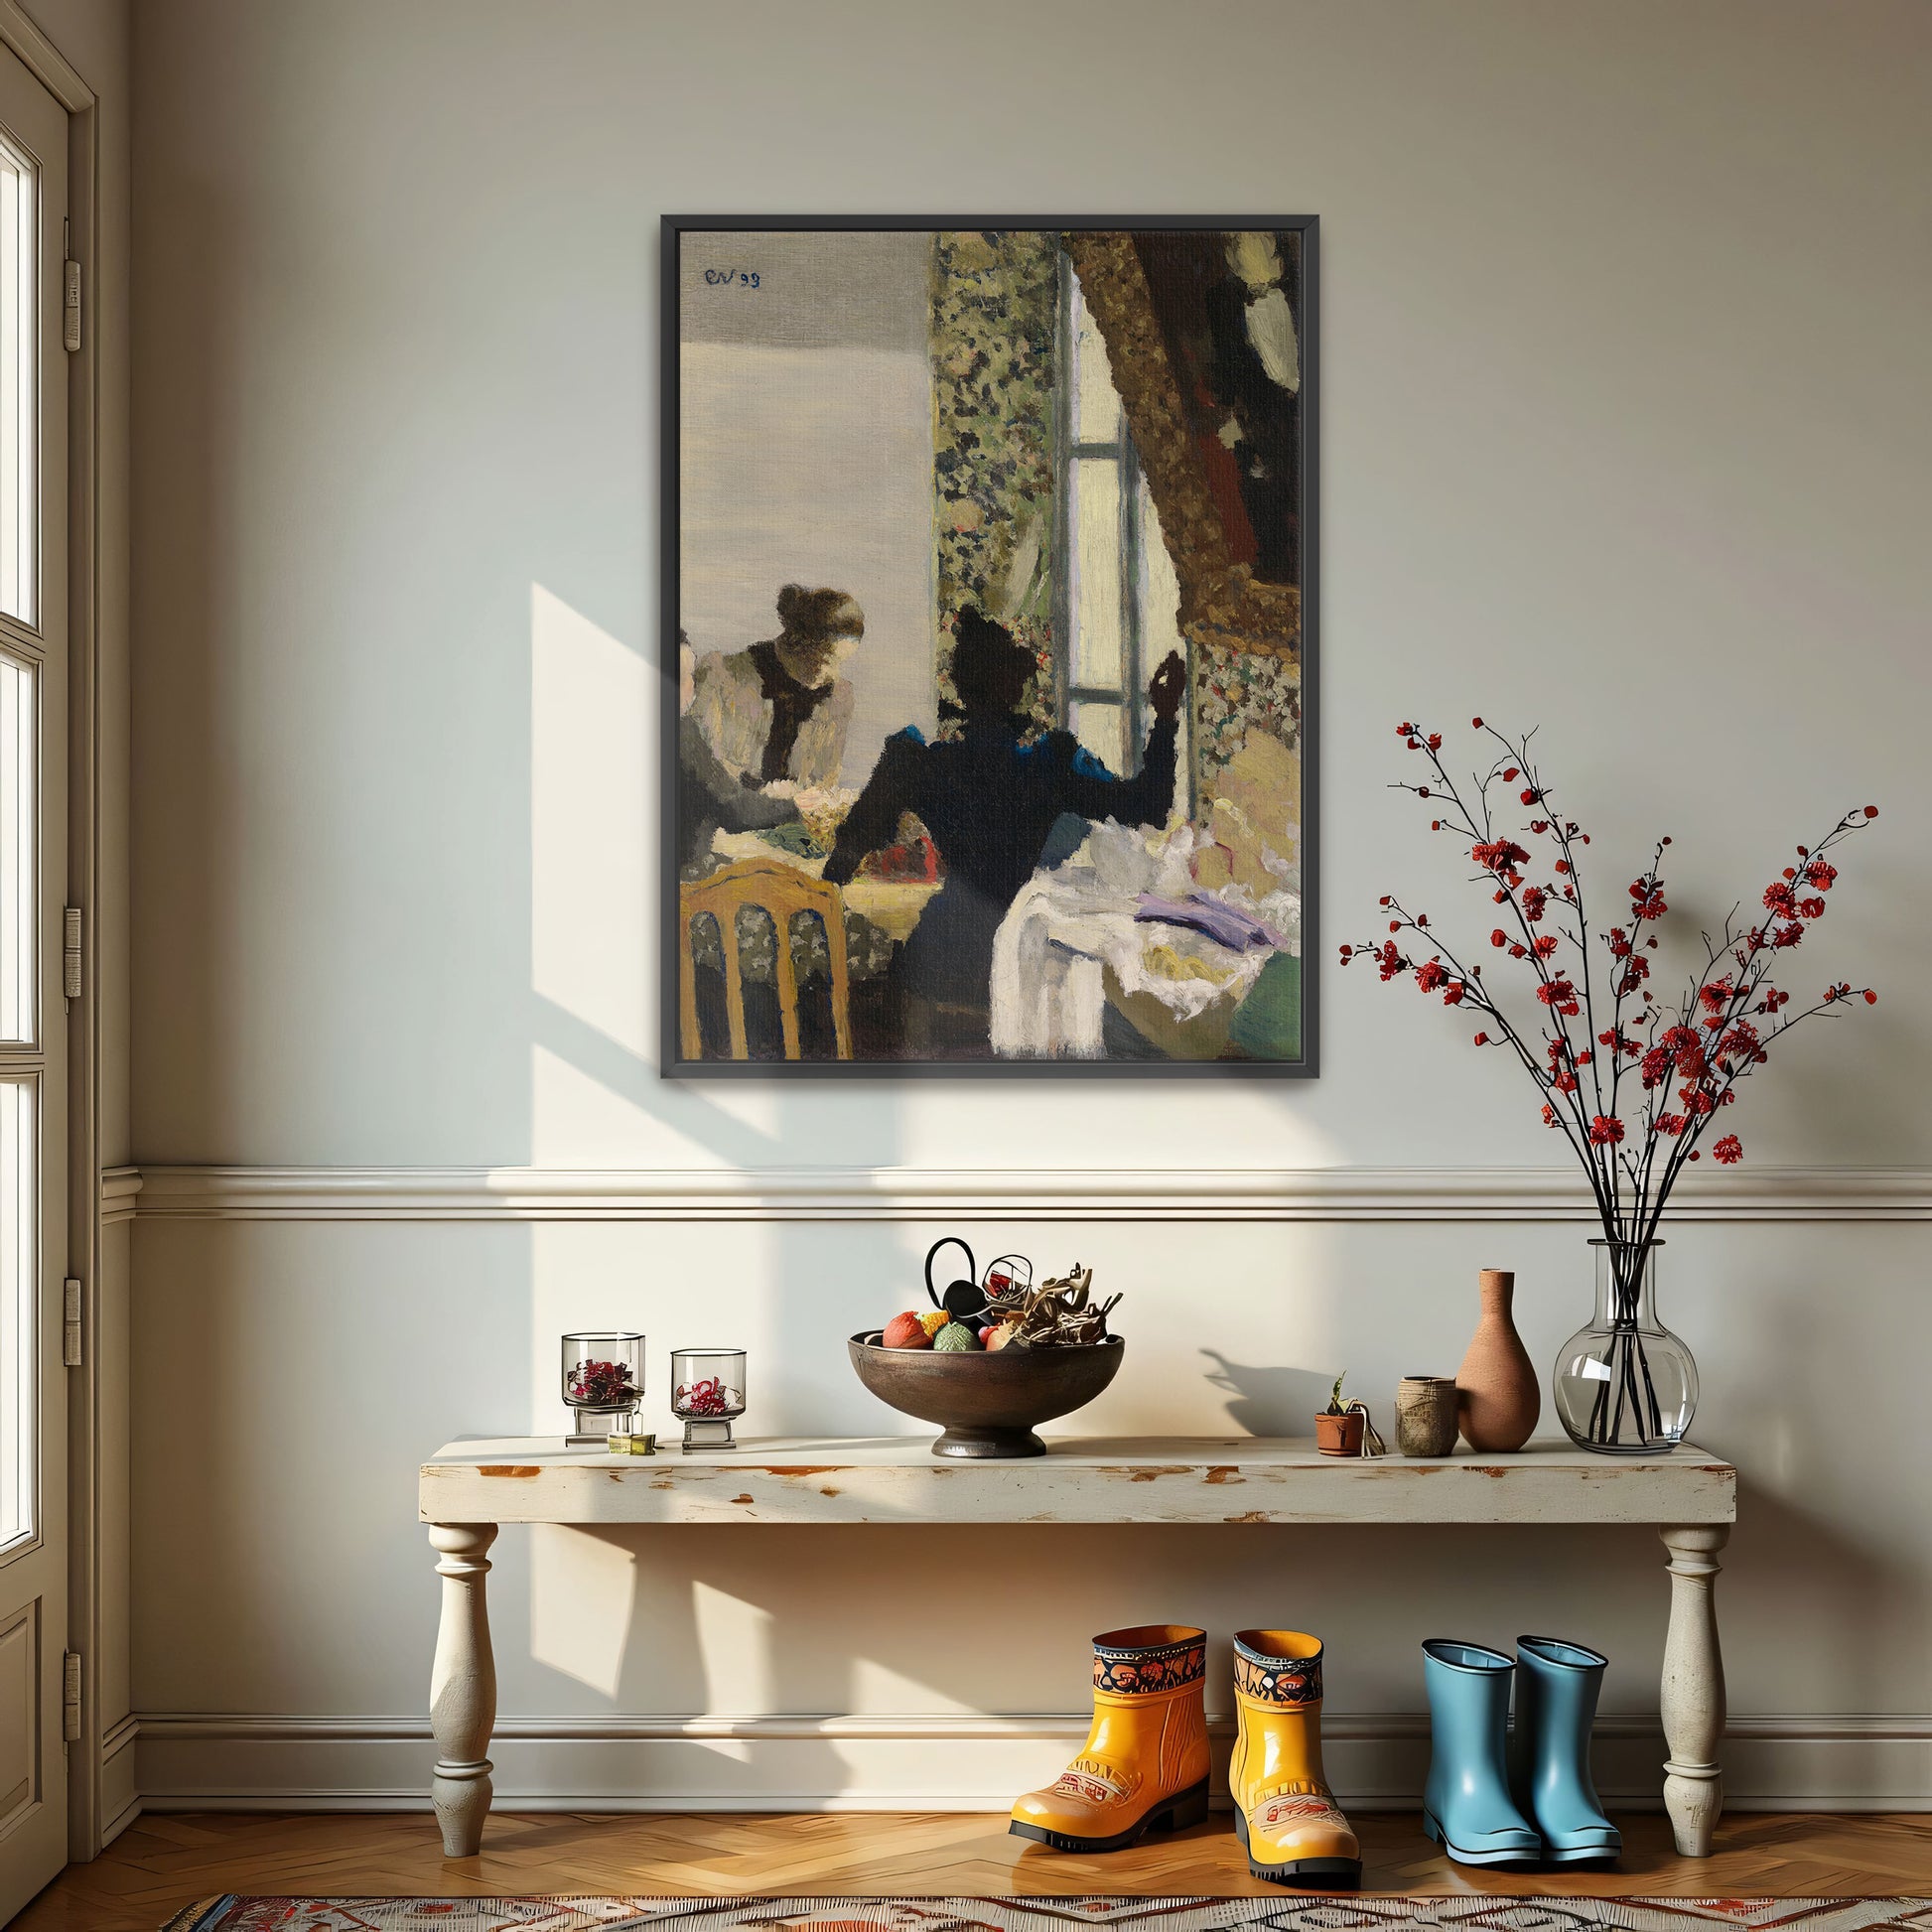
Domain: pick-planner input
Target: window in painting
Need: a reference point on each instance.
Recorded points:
(1118, 600)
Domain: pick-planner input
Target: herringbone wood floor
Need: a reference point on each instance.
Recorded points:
(163, 1861)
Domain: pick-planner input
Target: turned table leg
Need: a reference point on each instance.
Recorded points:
(1692, 1700)
(462, 1687)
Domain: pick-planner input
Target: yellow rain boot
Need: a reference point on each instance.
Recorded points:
(1143, 1767)
(1283, 1812)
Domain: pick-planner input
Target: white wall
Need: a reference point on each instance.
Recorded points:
(1625, 430)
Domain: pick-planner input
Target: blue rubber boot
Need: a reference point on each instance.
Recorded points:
(1466, 1806)
(1549, 1749)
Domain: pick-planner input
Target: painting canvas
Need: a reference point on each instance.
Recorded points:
(989, 564)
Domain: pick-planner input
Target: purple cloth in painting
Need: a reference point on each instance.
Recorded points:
(1202, 912)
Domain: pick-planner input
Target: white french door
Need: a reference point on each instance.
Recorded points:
(32, 1009)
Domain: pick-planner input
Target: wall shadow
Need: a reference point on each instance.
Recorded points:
(1265, 1399)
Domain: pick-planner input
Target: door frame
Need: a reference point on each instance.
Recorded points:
(87, 1607)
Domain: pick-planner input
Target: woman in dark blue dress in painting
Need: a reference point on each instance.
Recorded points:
(989, 801)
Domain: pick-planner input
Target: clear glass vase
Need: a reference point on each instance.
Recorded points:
(1625, 1385)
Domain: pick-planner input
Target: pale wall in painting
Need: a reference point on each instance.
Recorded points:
(807, 454)
(1626, 421)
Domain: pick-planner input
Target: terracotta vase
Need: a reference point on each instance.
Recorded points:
(1497, 1400)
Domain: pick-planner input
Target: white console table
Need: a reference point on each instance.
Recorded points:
(469, 1489)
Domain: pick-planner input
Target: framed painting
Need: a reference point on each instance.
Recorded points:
(989, 567)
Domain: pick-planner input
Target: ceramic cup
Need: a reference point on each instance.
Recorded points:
(1425, 1415)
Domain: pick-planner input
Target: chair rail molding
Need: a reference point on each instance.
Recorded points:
(119, 1188)
(1338, 1194)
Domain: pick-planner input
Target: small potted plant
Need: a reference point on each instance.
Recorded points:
(1338, 1428)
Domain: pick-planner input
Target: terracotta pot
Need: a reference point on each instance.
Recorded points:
(1497, 1398)
(1426, 1415)
(1340, 1434)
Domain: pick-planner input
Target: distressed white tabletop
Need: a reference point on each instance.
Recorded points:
(1080, 1479)
(469, 1488)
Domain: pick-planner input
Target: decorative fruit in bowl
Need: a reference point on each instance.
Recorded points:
(906, 1331)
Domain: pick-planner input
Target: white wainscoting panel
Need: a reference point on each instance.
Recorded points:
(284, 1593)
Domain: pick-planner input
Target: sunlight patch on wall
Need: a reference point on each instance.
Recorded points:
(879, 1688)
(762, 1111)
(585, 1278)
(592, 810)
(581, 1593)
(735, 1645)
(578, 1118)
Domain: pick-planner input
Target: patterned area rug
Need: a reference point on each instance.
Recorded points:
(1273, 1914)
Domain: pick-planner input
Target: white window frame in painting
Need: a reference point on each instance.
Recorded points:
(1102, 681)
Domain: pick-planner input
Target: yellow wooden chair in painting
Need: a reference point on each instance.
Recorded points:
(779, 891)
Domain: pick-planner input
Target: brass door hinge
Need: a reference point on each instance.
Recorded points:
(71, 953)
(70, 1697)
(72, 1355)
(70, 294)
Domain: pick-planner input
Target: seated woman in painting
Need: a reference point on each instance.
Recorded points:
(989, 800)
(776, 714)
(710, 798)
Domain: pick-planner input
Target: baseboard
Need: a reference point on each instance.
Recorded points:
(132, 1810)
(961, 1763)
(120, 1797)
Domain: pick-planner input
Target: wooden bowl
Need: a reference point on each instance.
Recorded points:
(989, 1404)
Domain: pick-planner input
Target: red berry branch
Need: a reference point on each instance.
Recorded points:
(1635, 1095)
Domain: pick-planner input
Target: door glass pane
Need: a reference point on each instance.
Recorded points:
(19, 1307)
(19, 531)
(18, 721)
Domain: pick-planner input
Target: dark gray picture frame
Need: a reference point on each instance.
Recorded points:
(673, 1063)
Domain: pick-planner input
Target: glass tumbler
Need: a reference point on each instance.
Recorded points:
(603, 1382)
(707, 1392)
